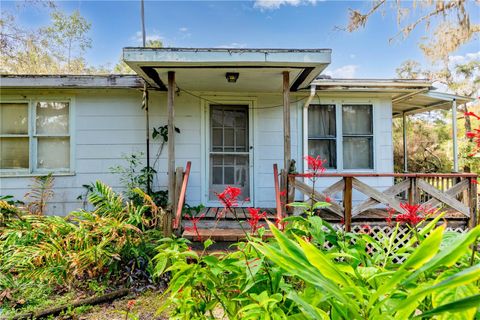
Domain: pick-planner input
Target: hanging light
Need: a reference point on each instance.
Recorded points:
(232, 76)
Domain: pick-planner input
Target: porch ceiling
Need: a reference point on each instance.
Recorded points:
(260, 70)
(426, 101)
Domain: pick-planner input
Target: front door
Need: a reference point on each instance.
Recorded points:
(229, 150)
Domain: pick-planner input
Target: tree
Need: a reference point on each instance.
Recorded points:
(453, 26)
(68, 40)
(55, 49)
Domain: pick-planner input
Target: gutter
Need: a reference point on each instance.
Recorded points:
(313, 88)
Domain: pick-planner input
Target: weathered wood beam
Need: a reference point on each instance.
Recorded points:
(473, 197)
(287, 148)
(370, 202)
(171, 146)
(452, 192)
(347, 203)
(377, 195)
(439, 195)
(317, 196)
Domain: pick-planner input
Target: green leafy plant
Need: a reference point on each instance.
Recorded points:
(41, 192)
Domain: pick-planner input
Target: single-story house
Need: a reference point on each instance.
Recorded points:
(239, 111)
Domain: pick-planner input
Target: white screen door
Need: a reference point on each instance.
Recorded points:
(229, 149)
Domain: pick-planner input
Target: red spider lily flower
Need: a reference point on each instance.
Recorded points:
(283, 193)
(315, 164)
(255, 217)
(194, 226)
(413, 215)
(328, 199)
(229, 197)
(471, 114)
(475, 181)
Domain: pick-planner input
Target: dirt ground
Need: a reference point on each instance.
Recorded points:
(145, 307)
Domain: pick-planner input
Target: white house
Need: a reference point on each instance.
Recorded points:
(239, 111)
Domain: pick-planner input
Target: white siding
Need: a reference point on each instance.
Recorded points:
(110, 124)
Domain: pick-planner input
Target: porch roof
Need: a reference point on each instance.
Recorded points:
(409, 96)
(204, 69)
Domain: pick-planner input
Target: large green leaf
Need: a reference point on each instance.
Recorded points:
(445, 297)
(451, 310)
(424, 252)
(463, 278)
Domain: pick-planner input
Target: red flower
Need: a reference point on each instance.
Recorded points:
(414, 214)
(471, 114)
(194, 226)
(315, 164)
(229, 197)
(255, 217)
(328, 199)
(475, 181)
(283, 193)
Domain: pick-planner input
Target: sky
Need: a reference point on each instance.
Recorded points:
(366, 53)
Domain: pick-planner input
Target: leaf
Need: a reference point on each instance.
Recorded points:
(207, 243)
(298, 205)
(445, 297)
(307, 308)
(462, 305)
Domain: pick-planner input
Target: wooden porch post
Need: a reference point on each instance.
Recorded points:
(454, 135)
(171, 152)
(405, 152)
(286, 129)
(347, 203)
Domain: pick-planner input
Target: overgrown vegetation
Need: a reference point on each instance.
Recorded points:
(114, 242)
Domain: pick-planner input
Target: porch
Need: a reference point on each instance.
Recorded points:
(454, 194)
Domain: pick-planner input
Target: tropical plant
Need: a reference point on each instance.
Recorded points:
(41, 191)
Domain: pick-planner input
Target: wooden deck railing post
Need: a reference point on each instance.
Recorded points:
(412, 191)
(347, 202)
(182, 182)
(473, 199)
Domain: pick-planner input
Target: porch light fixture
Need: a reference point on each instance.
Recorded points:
(232, 76)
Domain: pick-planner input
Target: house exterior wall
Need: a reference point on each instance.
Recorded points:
(109, 124)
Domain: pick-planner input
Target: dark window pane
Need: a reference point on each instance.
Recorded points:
(326, 149)
(358, 152)
(229, 177)
(217, 173)
(321, 121)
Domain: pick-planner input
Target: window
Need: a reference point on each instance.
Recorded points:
(322, 133)
(35, 137)
(357, 124)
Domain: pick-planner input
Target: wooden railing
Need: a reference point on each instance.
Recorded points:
(457, 191)
(181, 182)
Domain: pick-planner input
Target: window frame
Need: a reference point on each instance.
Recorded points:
(372, 136)
(325, 138)
(339, 102)
(32, 135)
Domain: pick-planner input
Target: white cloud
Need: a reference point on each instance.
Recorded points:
(459, 59)
(345, 72)
(183, 29)
(232, 45)
(275, 4)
